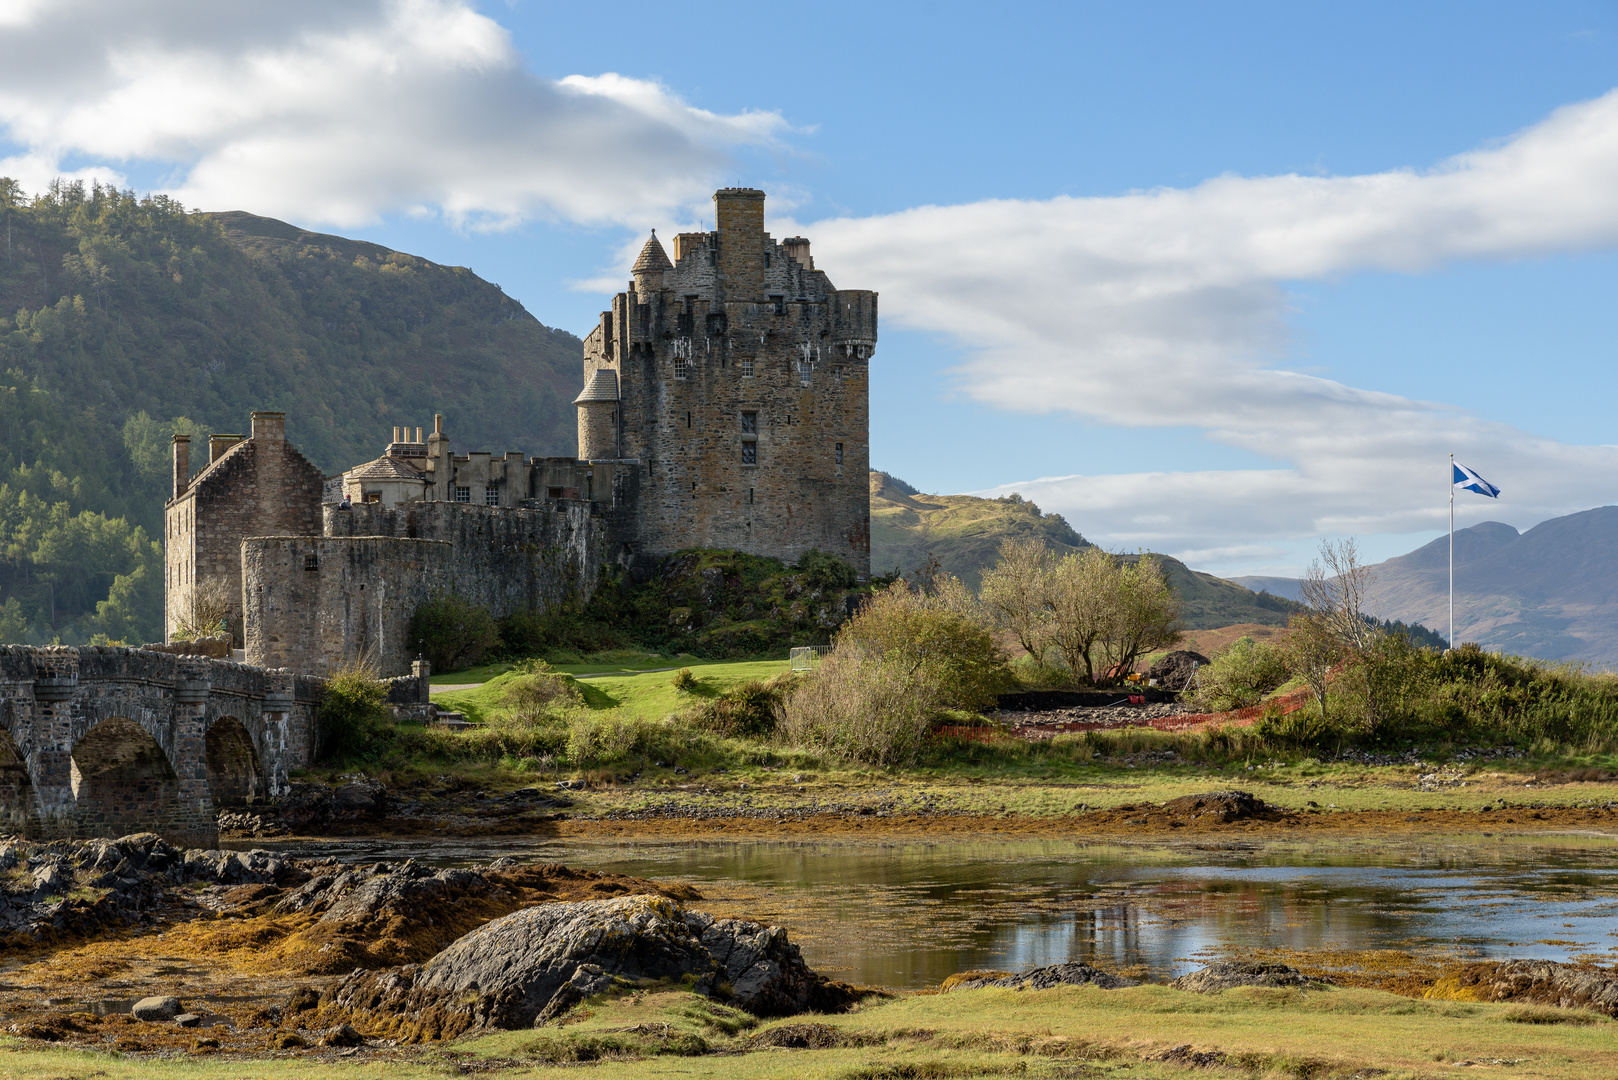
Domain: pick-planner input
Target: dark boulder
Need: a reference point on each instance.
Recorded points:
(1071, 973)
(1226, 974)
(1173, 671)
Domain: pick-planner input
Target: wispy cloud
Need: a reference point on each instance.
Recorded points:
(1168, 308)
(342, 112)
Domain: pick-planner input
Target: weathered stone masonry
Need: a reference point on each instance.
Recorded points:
(726, 405)
(258, 486)
(736, 379)
(314, 603)
(101, 741)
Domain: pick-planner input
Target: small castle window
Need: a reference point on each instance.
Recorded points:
(554, 493)
(806, 369)
(780, 303)
(839, 453)
(744, 364)
(749, 453)
(682, 367)
(463, 494)
(749, 496)
(311, 561)
(749, 423)
(373, 496)
(491, 496)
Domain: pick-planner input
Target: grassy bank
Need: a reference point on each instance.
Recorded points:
(1148, 1032)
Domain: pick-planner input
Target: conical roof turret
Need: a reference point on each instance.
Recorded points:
(652, 259)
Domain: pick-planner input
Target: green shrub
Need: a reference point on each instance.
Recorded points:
(453, 633)
(613, 738)
(534, 688)
(1240, 675)
(353, 716)
(684, 681)
(823, 571)
(936, 632)
(745, 711)
(862, 706)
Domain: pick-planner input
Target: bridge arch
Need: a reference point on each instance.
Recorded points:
(17, 801)
(235, 773)
(122, 779)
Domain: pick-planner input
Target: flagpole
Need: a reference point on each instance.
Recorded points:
(1452, 551)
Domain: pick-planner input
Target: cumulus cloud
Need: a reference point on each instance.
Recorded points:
(1076, 304)
(345, 110)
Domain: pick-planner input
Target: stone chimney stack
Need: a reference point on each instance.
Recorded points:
(218, 444)
(739, 213)
(798, 248)
(182, 464)
(269, 427)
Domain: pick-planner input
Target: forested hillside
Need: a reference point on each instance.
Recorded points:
(123, 320)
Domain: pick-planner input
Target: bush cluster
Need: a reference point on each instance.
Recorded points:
(353, 717)
(453, 633)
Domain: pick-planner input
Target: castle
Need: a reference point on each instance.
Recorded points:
(725, 404)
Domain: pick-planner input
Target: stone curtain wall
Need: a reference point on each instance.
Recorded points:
(317, 604)
(112, 741)
(308, 603)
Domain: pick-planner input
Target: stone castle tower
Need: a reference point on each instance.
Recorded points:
(737, 377)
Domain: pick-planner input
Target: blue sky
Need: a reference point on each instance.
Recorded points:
(1110, 305)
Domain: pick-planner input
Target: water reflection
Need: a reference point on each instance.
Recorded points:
(910, 914)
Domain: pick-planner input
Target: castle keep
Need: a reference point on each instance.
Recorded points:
(735, 378)
(725, 404)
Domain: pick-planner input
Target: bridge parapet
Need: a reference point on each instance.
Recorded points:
(105, 741)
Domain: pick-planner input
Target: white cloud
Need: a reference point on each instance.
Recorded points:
(1168, 308)
(341, 112)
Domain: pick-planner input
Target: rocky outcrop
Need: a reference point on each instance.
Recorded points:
(534, 964)
(307, 806)
(1071, 973)
(1173, 671)
(1539, 982)
(80, 887)
(1225, 974)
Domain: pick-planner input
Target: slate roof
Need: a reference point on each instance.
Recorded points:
(603, 386)
(652, 257)
(386, 468)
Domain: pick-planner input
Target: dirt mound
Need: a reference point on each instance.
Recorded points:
(1174, 670)
(1043, 978)
(1226, 974)
(1223, 806)
(1539, 982)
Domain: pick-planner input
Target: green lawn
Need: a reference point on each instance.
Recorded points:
(1144, 1033)
(626, 661)
(650, 695)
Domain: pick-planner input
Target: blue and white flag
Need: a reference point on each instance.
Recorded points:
(1467, 480)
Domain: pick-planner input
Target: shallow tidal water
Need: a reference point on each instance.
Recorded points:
(908, 913)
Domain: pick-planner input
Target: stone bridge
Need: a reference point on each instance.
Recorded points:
(103, 741)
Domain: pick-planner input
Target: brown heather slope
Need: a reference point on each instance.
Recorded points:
(964, 533)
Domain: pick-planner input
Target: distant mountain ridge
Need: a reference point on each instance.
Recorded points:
(964, 533)
(1550, 592)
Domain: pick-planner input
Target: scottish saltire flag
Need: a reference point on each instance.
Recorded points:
(1467, 480)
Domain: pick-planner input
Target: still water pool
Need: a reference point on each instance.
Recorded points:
(910, 913)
